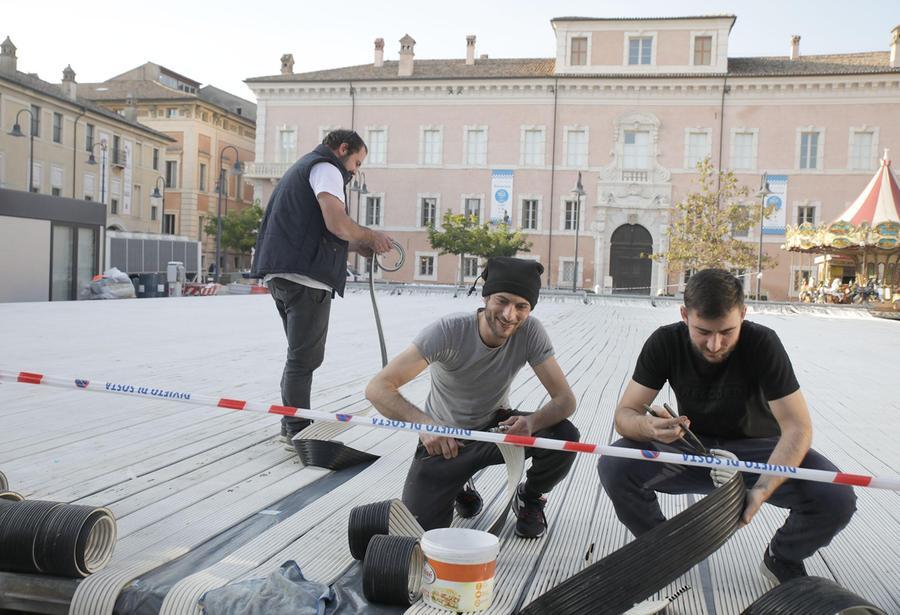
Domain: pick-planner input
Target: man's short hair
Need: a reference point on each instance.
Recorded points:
(354, 142)
(712, 293)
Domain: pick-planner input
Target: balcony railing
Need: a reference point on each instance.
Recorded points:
(265, 170)
(118, 157)
(638, 177)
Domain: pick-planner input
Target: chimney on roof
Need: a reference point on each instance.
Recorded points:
(7, 57)
(407, 46)
(68, 86)
(483, 56)
(130, 111)
(795, 47)
(895, 42)
(287, 64)
(470, 50)
(379, 52)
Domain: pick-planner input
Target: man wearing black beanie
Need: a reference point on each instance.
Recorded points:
(473, 359)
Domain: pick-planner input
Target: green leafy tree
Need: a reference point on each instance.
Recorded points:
(705, 222)
(239, 228)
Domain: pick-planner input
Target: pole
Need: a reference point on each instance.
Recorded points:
(577, 225)
(764, 192)
(219, 219)
(103, 176)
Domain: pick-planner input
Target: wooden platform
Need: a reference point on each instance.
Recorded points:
(177, 476)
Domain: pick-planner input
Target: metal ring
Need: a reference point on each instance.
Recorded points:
(402, 254)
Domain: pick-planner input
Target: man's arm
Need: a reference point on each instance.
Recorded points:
(384, 393)
(633, 423)
(796, 438)
(338, 222)
(560, 407)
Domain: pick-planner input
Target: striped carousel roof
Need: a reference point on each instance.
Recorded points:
(879, 202)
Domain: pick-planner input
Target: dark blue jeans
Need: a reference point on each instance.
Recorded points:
(818, 511)
(304, 313)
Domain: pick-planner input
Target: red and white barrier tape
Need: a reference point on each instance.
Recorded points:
(822, 476)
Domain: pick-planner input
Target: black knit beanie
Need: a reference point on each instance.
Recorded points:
(518, 276)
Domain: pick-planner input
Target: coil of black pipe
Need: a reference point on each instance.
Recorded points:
(366, 522)
(392, 570)
(811, 596)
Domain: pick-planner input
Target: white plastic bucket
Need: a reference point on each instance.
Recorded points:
(459, 568)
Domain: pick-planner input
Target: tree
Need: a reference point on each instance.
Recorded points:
(463, 235)
(239, 228)
(704, 225)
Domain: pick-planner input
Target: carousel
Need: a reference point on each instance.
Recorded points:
(856, 258)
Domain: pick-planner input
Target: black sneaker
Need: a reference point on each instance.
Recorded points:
(779, 570)
(530, 519)
(468, 501)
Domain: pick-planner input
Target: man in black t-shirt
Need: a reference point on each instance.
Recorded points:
(737, 392)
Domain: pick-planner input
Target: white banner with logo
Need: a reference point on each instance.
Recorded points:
(501, 196)
(774, 224)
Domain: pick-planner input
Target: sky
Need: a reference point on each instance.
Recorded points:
(224, 42)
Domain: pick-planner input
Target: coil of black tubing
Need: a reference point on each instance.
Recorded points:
(365, 523)
(392, 570)
(614, 584)
(20, 525)
(811, 596)
(75, 541)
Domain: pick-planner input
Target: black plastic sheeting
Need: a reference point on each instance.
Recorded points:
(811, 596)
(144, 596)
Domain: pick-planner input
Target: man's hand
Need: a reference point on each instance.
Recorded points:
(448, 448)
(380, 242)
(723, 473)
(755, 499)
(363, 250)
(518, 425)
(662, 428)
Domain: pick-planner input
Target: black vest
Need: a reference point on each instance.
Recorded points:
(293, 237)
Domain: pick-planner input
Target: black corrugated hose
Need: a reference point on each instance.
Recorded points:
(811, 596)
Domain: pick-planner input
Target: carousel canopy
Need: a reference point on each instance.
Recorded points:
(879, 202)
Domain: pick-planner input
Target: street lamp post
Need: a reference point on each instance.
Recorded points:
(360, 188)
(17, 132)
(92, 160)
(235, 170)
(763, 193)
(162, 206)
(578, 192)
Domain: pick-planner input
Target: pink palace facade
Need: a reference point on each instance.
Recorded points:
(632, 104)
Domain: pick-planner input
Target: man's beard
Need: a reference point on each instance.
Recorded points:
(720, 357)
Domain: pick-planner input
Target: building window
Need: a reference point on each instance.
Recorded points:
(153, 212)
(89, 138)
(702, 50)
(576, 148)
(202, 177)
(568, 271)
(118, 155)
(56, 191)
(432, 144)
(529, 216)
(637, 149)
(35, 120)
(377, 142)
(428, 212)
(373, 211)
(36, 179)
(169, 224)
(155, 159)
(861, 150)
(806, 214)
(571, 216)
(470, 266)
(57, 127)
(171, 112)
(697, 148)
(114, 206)
(809, 149)
(639, 49)
(171, 173)
(742, 155)
(476, 146)
(287, 143)
(737, 233)
(473, 209)
(426, 266)
(533, 147)
(578, 54)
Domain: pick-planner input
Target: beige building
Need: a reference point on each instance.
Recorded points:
(210, 130)
(632, 104)
(69, 132)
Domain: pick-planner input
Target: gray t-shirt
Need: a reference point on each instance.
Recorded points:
(470, 380)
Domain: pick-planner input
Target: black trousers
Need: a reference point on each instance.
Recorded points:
(304, 313)
(433, 482)
(818, 511)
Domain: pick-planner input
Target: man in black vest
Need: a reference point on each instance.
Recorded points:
(737, 390)
(301, 251)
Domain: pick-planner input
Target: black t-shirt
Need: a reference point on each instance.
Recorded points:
(724, 400)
